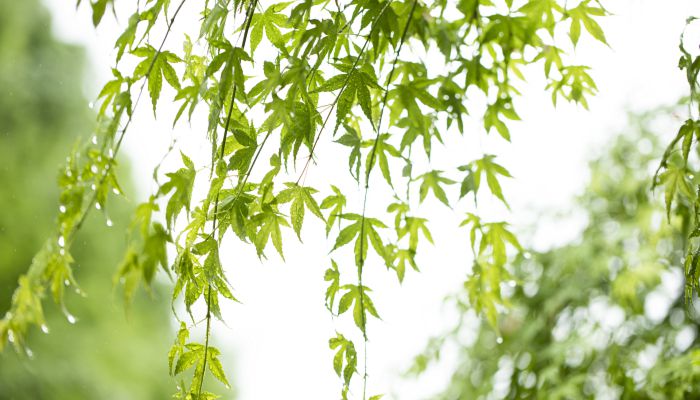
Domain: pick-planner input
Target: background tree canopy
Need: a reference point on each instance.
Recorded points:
(602, 317)
(280, 89)
(109, 354)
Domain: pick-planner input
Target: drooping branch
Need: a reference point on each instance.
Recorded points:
(361, 263)
(248, 19)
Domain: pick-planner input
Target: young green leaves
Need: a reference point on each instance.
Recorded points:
(270, 21)
(364, 231)
(180, 183)
(154, 67)
(584, 14)
(344, 361)
(483, 168)
(357, 298)
(195, 355)
(489, 243)
(433, 181)
(678, 170)
(301, 198)
(336, 203)
(353, 84)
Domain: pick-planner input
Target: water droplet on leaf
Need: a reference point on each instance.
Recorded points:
(61, 241)
(62, 209)
(91, 105)
(98, 206)
(10, 336)
(499, 340)
(94, 139)
(44, 328)
(93, 169)
(109, 222)
(71, 319)
(29, 352)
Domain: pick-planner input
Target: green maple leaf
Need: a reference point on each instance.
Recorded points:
(270, 21)
(403, 257)
(215, 366)
(550, 55)
(98, 9)
(412, 228)
(352, 139)
(298, 121)
(332, 276)
(583, 14)
(675, 179)
(154, 252)
(496, 235)
(433, 181)
(111, 90)
(194, 355)
(58, 271)
(150, 15)
(687, 132)
(301, 198)
(362, 304)
(245, 145)
(542, 11)
(345, 354)
(157, 66)
(379, 154)
(354, 84)
(234, 209)
(364, 231)
(181, 183)
(336, 202)
(178, 347)
(266, 225)
(579, 83)
(486, 167)
(492, 117)
(230, 61)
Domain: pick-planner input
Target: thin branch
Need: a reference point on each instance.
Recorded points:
(372, 154)
(249, 18)
(122, 134)
(206, 343)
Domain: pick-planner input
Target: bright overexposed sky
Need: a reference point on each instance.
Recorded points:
(276, 343)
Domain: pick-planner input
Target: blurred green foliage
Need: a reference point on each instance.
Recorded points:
(109, 354)
(602, 317)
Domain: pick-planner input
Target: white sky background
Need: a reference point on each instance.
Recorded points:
(276, 341)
